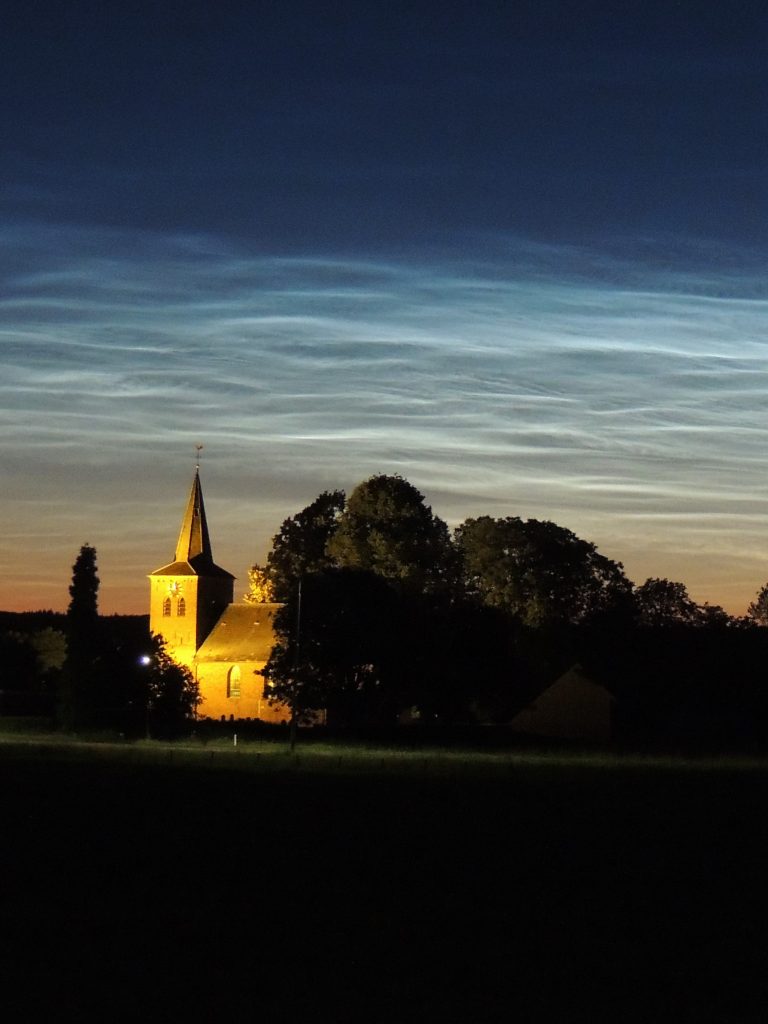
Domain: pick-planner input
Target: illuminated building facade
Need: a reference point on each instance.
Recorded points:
(224, 643)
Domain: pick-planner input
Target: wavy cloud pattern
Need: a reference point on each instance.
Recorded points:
(620, 391)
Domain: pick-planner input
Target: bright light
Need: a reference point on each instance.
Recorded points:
(144, 659)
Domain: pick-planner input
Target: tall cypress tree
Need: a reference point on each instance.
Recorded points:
(83, 612)
(82, 639)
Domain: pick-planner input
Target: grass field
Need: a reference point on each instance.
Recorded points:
(373, 885)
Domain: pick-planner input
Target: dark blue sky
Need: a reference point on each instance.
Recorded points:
(351, 125)
(515, 252)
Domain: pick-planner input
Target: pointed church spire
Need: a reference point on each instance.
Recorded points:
(188, 595)
(194, 541)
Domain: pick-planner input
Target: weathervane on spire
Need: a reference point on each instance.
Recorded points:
(198, 449)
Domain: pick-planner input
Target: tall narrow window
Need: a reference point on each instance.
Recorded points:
(167, 606)
(233, 681)
(181, 607)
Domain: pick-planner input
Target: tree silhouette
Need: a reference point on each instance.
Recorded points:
(83, 613)
(78, 680)
(299, 548)
(342, 657)
(172, 693)
(538, 571)
(758, 609)
(388, 529)
(661, 602)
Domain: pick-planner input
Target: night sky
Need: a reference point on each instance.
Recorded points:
(515, 252)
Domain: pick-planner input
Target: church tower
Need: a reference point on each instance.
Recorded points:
(188, 596)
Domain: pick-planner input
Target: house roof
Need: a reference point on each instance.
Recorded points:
(573, 707)
(194, 556)
(244, 632)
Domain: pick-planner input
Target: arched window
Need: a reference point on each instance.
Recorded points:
(167, 606)
(233, 681)
(181, 607)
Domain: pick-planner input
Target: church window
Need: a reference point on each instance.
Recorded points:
(233, 681)
(181, 607)
(167, 606)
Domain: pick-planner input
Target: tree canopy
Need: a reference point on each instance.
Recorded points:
(172, 693)
(758, 609)
(661, 602)
(538, 571)
(299, 548)
(388, 529)
(338, 648)
(78, 683)
(83, 613)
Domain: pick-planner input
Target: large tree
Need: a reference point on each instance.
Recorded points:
(540, 572)
(388, 529)
(138, 688)
(83, 611)
(79, 680)
(338, 647)
(172, 693)
(298, 549)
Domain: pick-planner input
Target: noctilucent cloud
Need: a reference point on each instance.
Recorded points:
(515, 254)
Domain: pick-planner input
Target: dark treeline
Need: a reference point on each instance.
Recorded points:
(35, 666)
(86, 671)
(35, 648)
(387, 615)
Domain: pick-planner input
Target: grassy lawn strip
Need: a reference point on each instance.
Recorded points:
(335, 757)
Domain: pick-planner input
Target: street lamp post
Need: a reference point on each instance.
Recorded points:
(146, 661)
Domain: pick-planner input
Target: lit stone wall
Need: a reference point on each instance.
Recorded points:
(225, 695)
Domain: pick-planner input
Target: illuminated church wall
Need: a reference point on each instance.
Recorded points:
(172, 614)
(223, 698)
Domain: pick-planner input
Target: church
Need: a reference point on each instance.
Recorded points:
(224, 643)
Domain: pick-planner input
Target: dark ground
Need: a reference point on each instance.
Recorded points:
(551, 893)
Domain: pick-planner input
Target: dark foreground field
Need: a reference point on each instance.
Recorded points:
(541, 890)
